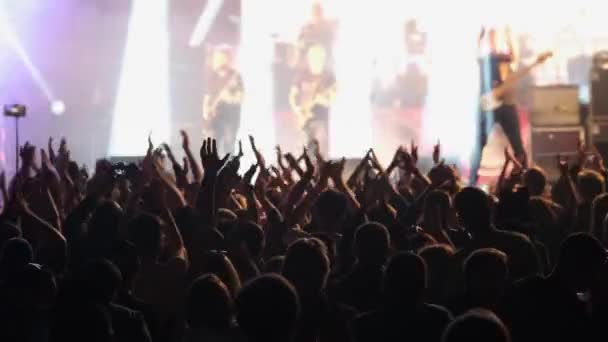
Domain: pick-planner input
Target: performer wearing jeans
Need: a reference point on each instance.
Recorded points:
(494, 70)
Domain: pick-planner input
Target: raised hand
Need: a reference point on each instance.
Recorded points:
(210, 158)
(256, 152)
(317, 151)
(186, 167)
(581, 149)
(409, 162)
(437, 153)
(63, 146)
(397, 159)
(51, 150)
(293, 164)
(28, 156)
(336, 171)
(150, 144)
(374, 160)
(248, 176)
(597, 161)
(414, 151)
(240, 153)
(169, 152)
(310, 168)
(280, 160)
(185, 139)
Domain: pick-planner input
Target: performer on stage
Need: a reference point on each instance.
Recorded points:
(223, 98)
(283, 71)
(495, 69)
(319, 30)
(311, 96)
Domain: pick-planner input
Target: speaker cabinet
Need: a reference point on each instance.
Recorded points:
(598, 133)
(555, 106)
(548, 142)
(599, 89)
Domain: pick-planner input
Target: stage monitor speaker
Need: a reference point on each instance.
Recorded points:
(599, 91)
(548, 142)
(555, 106)
(598, 133)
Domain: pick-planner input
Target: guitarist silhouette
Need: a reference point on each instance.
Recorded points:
(223, 98)
(311, 97)
(497, 94)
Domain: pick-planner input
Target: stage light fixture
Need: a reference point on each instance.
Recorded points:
(58, 107)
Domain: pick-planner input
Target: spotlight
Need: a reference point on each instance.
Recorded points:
(57, 107)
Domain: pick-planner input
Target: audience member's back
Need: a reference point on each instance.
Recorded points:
(209, 310)
(440, 264)
(473, 207)
(361, 287)
(307, 267)
(477, 326)
(267, 309)
(549, 309)
(485, 273)
(403, 315)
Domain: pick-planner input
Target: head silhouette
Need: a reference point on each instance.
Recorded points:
(105, 222)
(580, 259)
(404, 280)
(590, 184)
(477, 326)
(209, 304)
(486, 272)
(440, 263)
(15, 254)
(145, 232)
(125, 258)
(535, 180)
(267, 309)
(217, 263)
(329, 210)
(248, 235)
(372, 243)
(8, 231)
(98, 281)
(275, 264)
(307, 266)
(437, 207)
(474, 210)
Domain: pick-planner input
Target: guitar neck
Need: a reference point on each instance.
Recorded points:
(513, 79)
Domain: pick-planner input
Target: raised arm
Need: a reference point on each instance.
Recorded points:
(197, 172)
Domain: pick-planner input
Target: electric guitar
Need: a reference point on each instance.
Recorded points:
(493, 99)
(210, 107)
(306, 113)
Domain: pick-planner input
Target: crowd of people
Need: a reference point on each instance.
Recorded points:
(296, 250)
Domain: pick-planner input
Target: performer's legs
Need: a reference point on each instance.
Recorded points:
(485, 126)
(508, 117)
(225, 128)
(318, 129)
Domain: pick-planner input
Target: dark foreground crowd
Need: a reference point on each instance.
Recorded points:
(296, 251)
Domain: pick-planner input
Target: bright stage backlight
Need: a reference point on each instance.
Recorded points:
(142, 104)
